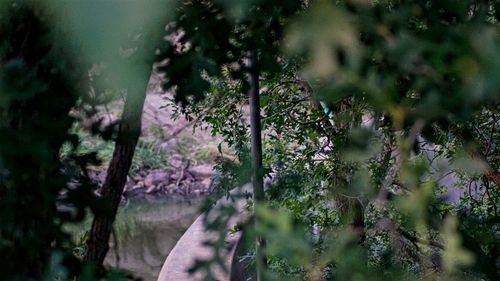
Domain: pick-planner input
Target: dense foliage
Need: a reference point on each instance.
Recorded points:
(41, 81)
(367, 107)
(379, 121)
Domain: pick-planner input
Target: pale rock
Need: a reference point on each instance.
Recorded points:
(206, 183)
(102, 177)
(156, 177)
(134, 190)
(170, 188)
(152, 189)
(176, 161)
(202, 172)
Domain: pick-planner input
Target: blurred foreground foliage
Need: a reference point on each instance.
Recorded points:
(60, 61)
(41, 80)
(380, 126)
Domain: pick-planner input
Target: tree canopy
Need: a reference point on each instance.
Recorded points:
(380, 139)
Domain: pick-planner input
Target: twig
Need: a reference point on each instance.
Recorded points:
(493, 130)
(194, 121)
(415, 239)
(327, 114)
(178, 131)
(181, 175)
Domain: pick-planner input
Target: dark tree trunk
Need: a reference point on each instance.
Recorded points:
(256, 147)
(111, 192)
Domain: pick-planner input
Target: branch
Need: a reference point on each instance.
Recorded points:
(313, 121)
(490, 173)
(414, 239)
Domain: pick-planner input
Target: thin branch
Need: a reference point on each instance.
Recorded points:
(414, 239)
(326, 115)
(493, 129)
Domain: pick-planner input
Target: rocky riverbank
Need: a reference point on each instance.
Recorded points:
(172, 159)
(184, 181)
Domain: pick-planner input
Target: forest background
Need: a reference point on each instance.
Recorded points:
(379, 125)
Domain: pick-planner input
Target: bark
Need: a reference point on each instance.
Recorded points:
(256, 147)
(493, 175)
(111, 192)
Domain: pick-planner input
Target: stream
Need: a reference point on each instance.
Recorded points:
(146, 231)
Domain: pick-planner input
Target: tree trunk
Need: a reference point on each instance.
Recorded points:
(111, 192)
(256, 147)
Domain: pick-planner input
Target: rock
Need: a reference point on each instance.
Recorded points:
(206, 183)
(134, 190)
(102, 177)
(152, 189)
(129, 184)
(189, 177)
(156, 177)
(142, 174)
(128, 188)
(202, 172)
(176, 161)
(170, 188)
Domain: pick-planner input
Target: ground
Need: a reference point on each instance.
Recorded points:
(172, 159)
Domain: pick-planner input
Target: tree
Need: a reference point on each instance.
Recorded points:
(97, 245)
(404, 84)
(362, 103)
(210, 52)
(41, 81)
(45, 86)
(256, 148)
(143, 37)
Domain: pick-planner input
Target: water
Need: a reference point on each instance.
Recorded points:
(146, 231)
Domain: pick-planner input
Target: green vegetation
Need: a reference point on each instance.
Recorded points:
(359, 113)
(380, 130)
(148, 154)
(41, 80)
